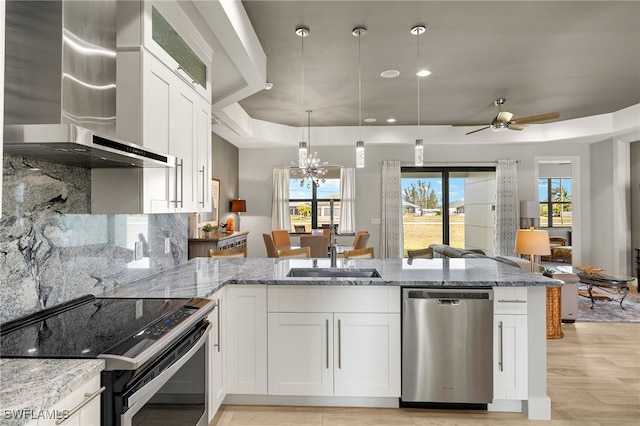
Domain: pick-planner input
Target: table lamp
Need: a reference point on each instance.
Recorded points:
(238, 206)
(532, 242)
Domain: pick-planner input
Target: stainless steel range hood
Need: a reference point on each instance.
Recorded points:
(60, 91)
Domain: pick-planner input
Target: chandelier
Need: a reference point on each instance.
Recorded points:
(309, 168)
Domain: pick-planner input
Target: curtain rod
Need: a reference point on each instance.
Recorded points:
(477, 163)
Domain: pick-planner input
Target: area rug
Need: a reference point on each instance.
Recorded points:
(609, 310)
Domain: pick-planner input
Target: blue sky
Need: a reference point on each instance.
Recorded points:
(325, 190)
(542, 187)
(456, 187)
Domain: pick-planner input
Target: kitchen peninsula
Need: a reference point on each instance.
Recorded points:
(252, 292)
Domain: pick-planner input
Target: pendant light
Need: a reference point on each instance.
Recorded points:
(303, 148)
(418, 149)
(359, 32)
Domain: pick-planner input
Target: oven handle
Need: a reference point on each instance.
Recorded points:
(144, 394)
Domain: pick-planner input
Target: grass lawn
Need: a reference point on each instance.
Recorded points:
(420, 231)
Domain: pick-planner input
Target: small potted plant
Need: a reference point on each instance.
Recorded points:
(207, 228)
(547, 272)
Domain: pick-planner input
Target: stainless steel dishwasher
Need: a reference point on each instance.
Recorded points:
(447, 346)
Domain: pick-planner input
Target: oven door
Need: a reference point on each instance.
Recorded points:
(150, 401)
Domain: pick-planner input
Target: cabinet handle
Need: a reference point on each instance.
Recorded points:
(500, 358)
(339, 345)
(511, 301)
(193, 81)
(217, 344)
(176, 201)
(88, 397)
(203, 186)
(327, 342)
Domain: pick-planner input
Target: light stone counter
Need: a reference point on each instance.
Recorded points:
(201, 277)
(29, 387)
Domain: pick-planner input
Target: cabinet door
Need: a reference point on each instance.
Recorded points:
(202, 172)
(157, 94)
(367, 355)
(72, 405)
(183, 138)
(300, 354)
(510, 357)
(246, 340)
(216, 356)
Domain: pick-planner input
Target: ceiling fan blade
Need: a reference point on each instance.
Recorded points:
(534, 118)
(468, 125)
(504, 116)
(515, 127)
(477, 130)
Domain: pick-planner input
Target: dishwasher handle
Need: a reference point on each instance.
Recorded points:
(450, 302)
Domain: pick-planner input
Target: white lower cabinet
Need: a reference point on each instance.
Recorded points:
(333, 353)
(80, 408)
(510, 344)
(216, 358)
(246, 339)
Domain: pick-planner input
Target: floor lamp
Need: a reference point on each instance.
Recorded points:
(533, 243)
(238, 206)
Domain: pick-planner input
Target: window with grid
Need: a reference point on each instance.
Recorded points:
(310, 205)
(555, 202)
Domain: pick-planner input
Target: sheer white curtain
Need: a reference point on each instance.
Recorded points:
(506, 218)
(391, 238)
(280, 217)
(347, 199)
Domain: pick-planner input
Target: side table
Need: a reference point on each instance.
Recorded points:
(611, 284)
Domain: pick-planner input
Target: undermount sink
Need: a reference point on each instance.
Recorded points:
(333, 273)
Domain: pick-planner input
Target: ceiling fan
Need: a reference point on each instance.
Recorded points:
(505, 120)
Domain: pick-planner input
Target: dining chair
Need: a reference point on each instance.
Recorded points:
(281, 238)
(269, 245)
(295, 252)
(426, 253)
(363, 253)
(319, 244)
(360, 240)
(232, 252)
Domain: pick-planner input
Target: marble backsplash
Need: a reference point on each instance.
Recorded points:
(53, 250)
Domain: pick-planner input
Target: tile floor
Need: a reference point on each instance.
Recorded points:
(593, 379)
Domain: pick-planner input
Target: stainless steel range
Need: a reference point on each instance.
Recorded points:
(144, 342)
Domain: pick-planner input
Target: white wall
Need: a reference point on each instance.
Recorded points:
(256, 167)
(634, 159)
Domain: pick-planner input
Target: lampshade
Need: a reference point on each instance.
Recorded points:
(238, 206)
(529, 209)
(532, 242)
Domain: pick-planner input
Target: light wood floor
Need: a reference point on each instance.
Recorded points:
(593, 379)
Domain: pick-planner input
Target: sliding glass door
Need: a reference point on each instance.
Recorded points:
(448, 205)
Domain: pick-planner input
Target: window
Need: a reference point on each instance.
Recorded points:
(448, 205)
(310, 206)
(177, 48)
(555, 202)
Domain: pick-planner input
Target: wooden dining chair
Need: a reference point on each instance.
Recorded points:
(281, 238)
(363, 253)
(425, 253)
(319, 244)
(360, 240)
(269, 245)
(232, 252)
(295, 252)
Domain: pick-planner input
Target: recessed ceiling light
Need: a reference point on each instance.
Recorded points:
(391, 120)
(369, 120)
(390, 74)
(423, 73)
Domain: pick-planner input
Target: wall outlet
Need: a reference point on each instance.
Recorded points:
(167, 245)
(137, 250)
(376, 221)
(139, 308)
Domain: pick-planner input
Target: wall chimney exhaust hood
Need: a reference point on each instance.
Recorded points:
(60, 86)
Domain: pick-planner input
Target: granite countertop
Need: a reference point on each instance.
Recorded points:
(31, 386)
(201, 277)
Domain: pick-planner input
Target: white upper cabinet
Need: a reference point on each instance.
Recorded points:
(164, 103)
